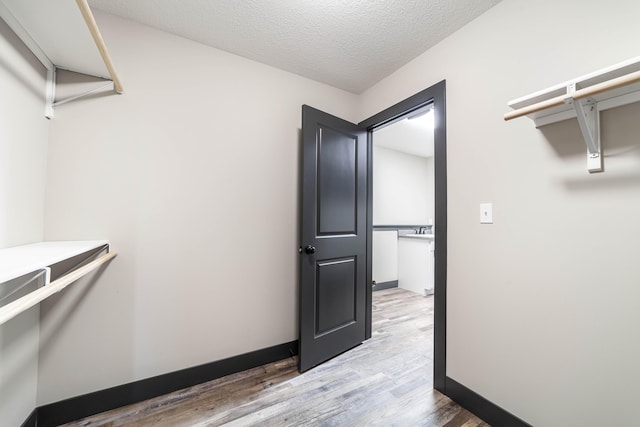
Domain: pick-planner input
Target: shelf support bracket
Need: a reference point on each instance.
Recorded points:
(82, 95)
(51, 93)
(589, 120)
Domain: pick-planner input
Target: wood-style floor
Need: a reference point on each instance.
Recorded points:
(386, 381)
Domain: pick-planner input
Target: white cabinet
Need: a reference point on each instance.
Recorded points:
(385, 256)
(415, 264)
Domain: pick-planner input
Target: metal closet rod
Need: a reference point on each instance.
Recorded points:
(616, 83)
(24, 303)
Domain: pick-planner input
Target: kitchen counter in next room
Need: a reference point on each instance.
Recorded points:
(428, 237)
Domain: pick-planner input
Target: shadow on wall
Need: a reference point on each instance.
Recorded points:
(19, 339)
(620, 141)
(16, 44)
(49, 334)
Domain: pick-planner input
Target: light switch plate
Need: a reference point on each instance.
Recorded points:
(486, 213)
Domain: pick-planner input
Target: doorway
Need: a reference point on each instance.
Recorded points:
(403, 204)
(433, 97)
(337, 230)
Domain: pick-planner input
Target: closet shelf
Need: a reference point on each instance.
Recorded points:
(62, 34)
(583, 98)
(30, 260)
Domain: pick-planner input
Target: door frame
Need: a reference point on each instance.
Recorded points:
(435, 94)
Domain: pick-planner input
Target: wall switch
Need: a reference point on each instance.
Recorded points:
(486, 213)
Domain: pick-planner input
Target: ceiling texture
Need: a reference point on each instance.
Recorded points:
(348, 44)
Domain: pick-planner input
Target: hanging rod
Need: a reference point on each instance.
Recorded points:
(102, 47)
(24, 303)
(587, 92)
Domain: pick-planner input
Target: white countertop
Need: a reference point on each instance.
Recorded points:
(427, 237)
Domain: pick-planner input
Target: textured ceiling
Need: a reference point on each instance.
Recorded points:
(348, 44)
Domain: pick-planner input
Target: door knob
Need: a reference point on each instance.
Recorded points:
(310, 249)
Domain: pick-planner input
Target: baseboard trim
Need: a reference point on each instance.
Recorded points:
(32, 421)
(79, 407)
(478, 405)
(385, 285)
(86, 405)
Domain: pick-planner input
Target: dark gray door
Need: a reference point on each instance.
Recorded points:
(333, 237)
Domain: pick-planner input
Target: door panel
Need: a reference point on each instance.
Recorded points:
(333, 237)
(337, 210)
(336, 290)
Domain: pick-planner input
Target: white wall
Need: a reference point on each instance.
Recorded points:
(23, 153)
(193, 176)
(402, 188)
(543, 304)
(23, 142)
(430, 190)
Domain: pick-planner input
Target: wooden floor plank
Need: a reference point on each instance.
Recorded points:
(386, 381)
